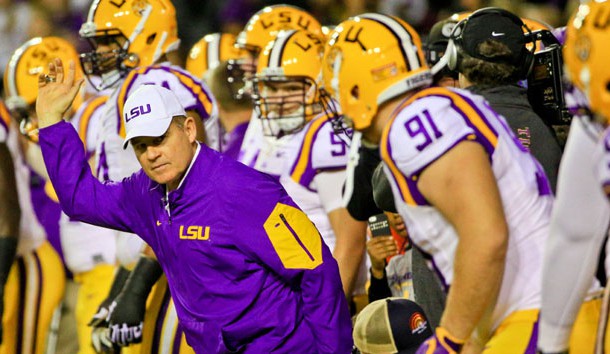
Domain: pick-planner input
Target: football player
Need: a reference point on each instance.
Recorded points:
(35, 285)
(581, 214)
(89, 252)
(470, 195)
(210, 51)
(303, 150)
(261, 29)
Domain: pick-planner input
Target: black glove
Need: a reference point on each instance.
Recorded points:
(8, 248)
(100, 336)
(126, 318)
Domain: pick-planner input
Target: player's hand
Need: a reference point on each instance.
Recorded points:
(100, 334)
(56, 91)
(100, 339)
(126, 319)
(542, 352)
(441, 343)
(379, 248)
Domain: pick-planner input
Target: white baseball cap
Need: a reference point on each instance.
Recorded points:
(149, 112)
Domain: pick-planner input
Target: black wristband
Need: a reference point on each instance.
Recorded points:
(121, 276)
(8, 249)
(142, 278)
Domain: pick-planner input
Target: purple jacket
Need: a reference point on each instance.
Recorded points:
(233, 245)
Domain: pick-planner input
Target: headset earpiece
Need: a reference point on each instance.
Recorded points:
(454, 55)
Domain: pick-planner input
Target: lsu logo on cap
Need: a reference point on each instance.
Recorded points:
(136, 112)
(417, 322)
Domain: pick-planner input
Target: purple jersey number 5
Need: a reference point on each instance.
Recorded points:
(339, 147)
(416, 127)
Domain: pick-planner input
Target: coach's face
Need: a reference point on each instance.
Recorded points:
(166, 158)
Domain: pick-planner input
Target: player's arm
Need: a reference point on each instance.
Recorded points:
(10, 214)
(579, 224)
(462, 186)
(81, 195)
(350, 233)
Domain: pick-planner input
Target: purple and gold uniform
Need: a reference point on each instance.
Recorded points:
(35, 285)
(423, 129)
(89, 251)
(247, 269)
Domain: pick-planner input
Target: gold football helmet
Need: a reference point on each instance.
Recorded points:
(369, 60)
(286, 94)
(265, 25)
(261, 29)
(21, 78)
(126, 34)
(584, 55)
(210, 51)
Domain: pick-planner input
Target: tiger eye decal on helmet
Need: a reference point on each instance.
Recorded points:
(584, 54)
(286, 94)
(370, 59)
(126, 34)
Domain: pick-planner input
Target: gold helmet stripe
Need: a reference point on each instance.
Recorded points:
(11, 75)
(213, 53)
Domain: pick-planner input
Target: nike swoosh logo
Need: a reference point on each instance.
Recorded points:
(496, 34)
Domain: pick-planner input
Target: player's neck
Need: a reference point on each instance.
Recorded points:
(382, 118)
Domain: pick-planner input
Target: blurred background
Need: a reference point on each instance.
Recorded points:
(21, 20)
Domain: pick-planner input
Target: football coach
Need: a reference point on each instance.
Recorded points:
(248, 271)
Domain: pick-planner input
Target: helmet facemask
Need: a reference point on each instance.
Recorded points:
(241, 72)
(111, 65)
(285, 104)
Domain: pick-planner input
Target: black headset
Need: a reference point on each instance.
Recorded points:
(455, 47)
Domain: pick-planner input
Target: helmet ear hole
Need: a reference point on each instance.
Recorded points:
(151, 38)
(355, 92)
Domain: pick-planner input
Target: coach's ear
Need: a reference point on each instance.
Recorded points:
(190, 128)
(200, 134)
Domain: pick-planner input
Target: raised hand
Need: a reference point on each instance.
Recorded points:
(56, 91)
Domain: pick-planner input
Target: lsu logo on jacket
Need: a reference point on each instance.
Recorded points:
(194, 233)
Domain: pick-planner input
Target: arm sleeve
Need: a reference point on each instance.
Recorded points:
(288, 244)
(329, 189)
(82, 196)
(379, 288)
(579, 224)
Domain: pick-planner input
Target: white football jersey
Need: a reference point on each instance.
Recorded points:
(318, 150)
(84, 246)
(424, 128)
(31, 233)
(254, 141)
